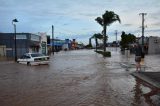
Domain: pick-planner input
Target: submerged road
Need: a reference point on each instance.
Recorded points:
(73, 78)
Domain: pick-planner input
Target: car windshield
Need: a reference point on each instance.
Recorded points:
(37, 55)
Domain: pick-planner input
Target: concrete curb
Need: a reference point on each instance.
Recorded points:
(151, 78)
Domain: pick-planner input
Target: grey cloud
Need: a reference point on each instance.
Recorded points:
(153, 30)
(155, 24)
(127, 25)
(76, 14)
(89, 14)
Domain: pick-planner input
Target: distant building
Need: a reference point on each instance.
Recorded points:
(80, 46)
(115, 43)
(59, 44)
(66, 45)
(74, 44)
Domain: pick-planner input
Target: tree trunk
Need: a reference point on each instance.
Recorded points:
(96, 43)
(90, 41)
(105, 37)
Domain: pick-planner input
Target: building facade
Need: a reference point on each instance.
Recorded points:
(43, 43)
(59, 44)
(154, 45)
(25, 42)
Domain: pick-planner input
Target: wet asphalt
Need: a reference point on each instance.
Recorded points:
(77, 78)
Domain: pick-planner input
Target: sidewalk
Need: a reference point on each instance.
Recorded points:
(150, 68)
(151, 74)
(152, 78)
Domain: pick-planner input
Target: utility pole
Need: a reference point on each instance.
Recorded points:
(143, 14)
(15, 39)
(116, 38)
(53, 39)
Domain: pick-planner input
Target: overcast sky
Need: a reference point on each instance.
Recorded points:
(75, 19)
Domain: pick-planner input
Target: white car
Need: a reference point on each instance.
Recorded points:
(33, 59)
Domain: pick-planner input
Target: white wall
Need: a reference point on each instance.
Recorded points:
(154, 45)
(2, 50)
(43, 39)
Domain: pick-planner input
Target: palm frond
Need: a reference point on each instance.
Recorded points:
(99, 20)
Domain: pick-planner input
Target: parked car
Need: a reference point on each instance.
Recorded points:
(33, 59)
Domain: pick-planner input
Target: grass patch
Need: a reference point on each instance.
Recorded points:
(105, 54)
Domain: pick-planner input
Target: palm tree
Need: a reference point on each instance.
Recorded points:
(96, 37)
(107, 19)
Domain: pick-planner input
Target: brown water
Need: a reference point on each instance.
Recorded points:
(74, 78)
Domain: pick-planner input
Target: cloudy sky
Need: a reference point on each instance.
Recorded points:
(75, 19)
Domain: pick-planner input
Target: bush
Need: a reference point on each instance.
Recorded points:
(88, 46)
(105, 54)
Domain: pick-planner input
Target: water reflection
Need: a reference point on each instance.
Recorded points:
(138, 93)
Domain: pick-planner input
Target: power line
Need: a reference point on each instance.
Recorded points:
(143, 14)
(116, 38)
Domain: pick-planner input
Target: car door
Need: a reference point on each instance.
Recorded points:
(24, 59)
(27, 58)
(21, 59)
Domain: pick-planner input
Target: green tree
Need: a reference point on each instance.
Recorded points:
(107, 19)
(96, 37)
(127, 39)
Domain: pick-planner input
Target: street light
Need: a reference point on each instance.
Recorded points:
(53, 39)
(15, 42)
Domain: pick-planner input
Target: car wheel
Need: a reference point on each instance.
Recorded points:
(28, 63)
(17, 61)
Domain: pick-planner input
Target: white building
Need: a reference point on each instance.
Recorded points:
(43, 44)
(154, 45)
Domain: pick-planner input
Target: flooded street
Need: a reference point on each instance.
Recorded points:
(76, 78)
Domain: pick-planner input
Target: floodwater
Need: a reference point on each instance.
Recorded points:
(76, 78)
